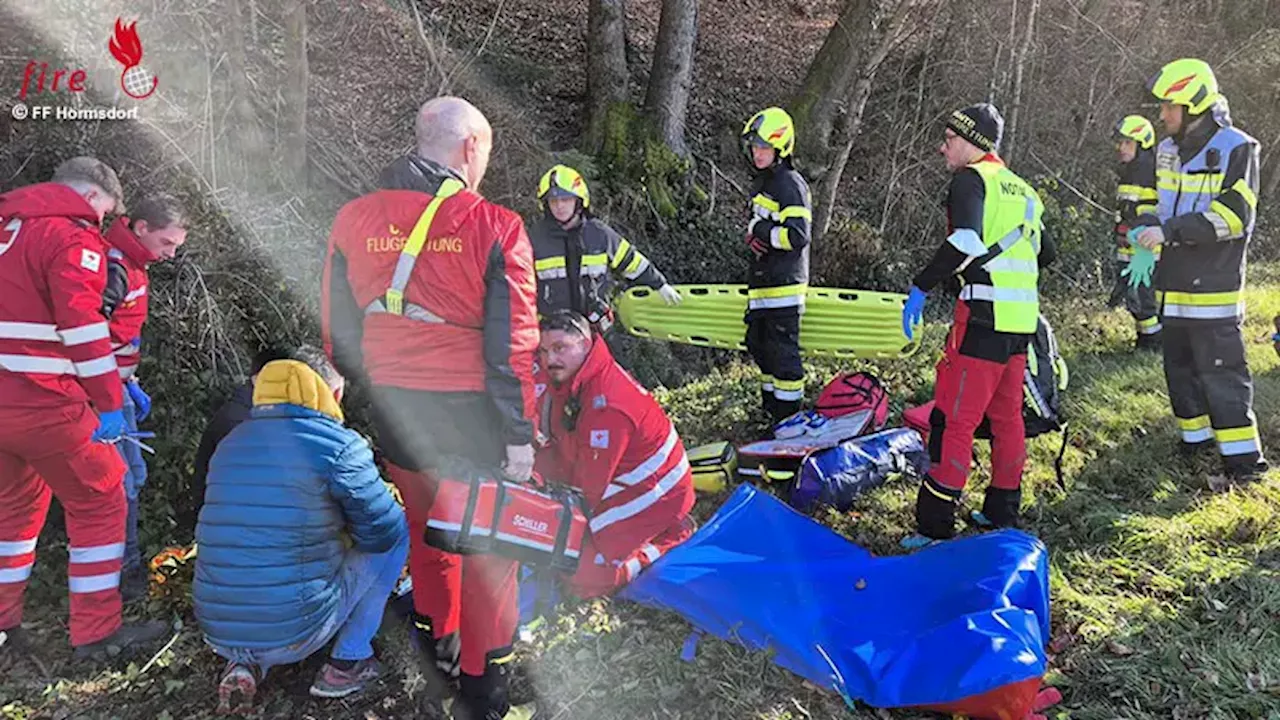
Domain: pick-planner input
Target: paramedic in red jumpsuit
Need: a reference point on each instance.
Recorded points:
(447, 345)
(607, 436)
(59, 395)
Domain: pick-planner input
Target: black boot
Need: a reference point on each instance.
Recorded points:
(438, 657)
(783, 409)
(1244, 473)
(487, 697)
(769, 403)
(1191, 451)
(936, 510)
(128, 641)
(1001, 507)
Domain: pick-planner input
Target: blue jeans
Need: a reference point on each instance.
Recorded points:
(365, 582)
(135, 476)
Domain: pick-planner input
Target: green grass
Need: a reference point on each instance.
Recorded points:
(1165, 595)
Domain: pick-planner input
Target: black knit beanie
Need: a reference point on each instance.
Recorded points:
(980, 124)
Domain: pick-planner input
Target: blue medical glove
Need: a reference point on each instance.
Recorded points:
(110, 426)
(141, 400)
(913, 311)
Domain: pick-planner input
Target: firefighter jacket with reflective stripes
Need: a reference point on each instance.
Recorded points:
(55, 348)
(125, 300)
(996, 245)
(605, 434)
(781, 216)
(469, 318)
(1135, 196)
(1208, 188)
(592, 254)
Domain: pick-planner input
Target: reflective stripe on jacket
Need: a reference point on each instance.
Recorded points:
(1001, 275)
(778, 279)
(622, 452)
(1208, 189)
(600, 256)
(55, 347)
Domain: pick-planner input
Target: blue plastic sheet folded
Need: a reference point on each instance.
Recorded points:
(960, 619)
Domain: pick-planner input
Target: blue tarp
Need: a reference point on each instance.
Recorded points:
(949, 622)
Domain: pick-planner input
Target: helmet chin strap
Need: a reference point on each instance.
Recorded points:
(1190, 122)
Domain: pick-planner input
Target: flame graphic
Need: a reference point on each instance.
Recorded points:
(1179, 85)
(126, 48)
(125, 45)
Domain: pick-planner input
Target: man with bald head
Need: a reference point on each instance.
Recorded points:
(429, 293)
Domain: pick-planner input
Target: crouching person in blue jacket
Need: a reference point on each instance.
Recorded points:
(300, 540)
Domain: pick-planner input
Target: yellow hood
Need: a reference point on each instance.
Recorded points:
(290, 381)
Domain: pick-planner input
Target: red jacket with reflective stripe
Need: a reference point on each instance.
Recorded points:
(127, 287)
(622, 452)
(475, 272)
(54, 345)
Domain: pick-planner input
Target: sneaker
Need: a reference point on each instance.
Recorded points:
(980, 521)
(123, 642)
(133, 584)
(917, 542)
(236, 689)
(332, 682)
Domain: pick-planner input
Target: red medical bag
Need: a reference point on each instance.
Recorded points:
(542, 527)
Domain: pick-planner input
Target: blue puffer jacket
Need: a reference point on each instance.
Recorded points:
(285, 488)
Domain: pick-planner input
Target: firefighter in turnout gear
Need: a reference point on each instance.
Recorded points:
(577, 256)
(997, 248)
(1207, 180)
(1135, 196)
(778, 238)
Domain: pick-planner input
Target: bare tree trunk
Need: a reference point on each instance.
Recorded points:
(1273, 184)
(1011, 130)
(666, 101)
(295, 91)
(248, 137)
(884, 36)
(817, 106)
(253, 22)
(607, 74)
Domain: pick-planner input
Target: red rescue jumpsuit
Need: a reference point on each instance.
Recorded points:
(615, 443)
(451, 376)
(130, 314)
(56, 369)
(980, 375)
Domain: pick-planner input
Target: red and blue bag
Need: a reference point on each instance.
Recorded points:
(851, 392)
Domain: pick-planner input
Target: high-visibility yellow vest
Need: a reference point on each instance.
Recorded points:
(1001, 285)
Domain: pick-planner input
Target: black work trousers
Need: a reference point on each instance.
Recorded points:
(1211, 390)
(773, 339)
